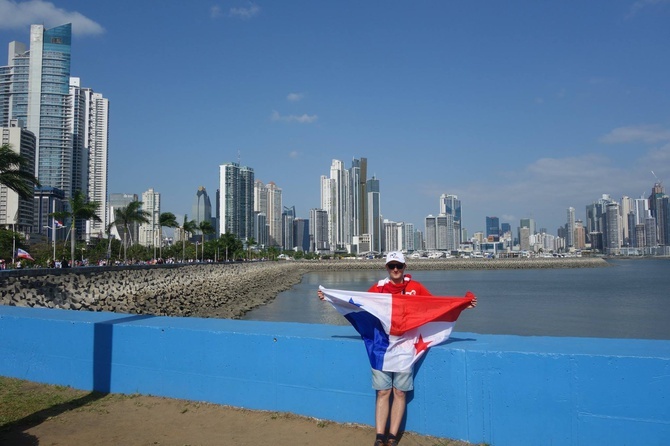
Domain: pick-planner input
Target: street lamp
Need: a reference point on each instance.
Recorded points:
(53, 236)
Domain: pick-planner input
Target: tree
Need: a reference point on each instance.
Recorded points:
(250, 242)
(188, 227)
(79, 209)
(230, 244)
(14, 173)
(126, 216)
(166, 219)
(205, 227)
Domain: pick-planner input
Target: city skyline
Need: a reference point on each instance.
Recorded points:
(498, 105)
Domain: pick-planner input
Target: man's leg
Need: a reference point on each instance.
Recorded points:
(382, 410)
(397, 411)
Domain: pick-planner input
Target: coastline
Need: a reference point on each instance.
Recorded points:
(225, 291)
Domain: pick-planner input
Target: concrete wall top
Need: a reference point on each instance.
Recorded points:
(501, 390)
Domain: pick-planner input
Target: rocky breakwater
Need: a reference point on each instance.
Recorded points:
(206, 290)
(221, 290)
(455, 264)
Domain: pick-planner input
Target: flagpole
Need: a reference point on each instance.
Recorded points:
(53, 229)
(13, 245)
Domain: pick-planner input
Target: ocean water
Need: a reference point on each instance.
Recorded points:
(627, 299)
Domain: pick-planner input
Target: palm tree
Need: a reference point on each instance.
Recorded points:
(205, 227)
(166, 219)
(14, 173)
(188, 227)
(79, 209)
(126, 216)
(250, 242)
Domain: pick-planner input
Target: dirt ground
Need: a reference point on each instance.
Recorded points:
(143, 420)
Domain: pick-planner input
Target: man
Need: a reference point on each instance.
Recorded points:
(397, 384)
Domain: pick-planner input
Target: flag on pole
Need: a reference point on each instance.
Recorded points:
(21, 254)
(398, 329)
(58, 224)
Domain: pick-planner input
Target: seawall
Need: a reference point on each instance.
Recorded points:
(501, 390)
(204, 290)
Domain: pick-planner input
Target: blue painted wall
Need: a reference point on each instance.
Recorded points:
(501, 390)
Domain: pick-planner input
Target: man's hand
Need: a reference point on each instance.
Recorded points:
(320, 294)
(473, 304)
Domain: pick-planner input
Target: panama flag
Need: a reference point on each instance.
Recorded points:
(398, 328)
(21, 254)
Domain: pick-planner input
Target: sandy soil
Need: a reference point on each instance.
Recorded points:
(144, 420)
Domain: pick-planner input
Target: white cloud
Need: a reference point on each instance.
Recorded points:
(301, 119)
(293, 154)
(18, 15)
(245, 13)
(641, 133)
(294, 97)
(639, 5)
(214, 12)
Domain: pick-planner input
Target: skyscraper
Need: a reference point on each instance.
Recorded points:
(336, 199)
(118, 201)
(39, 95)
(288, 217)
(374, 217)
(274, 214)
(151, 203)
(236, 202)
(318, 230)
(202, 206)
(15, 210)
(70, 123)
(570, 228)
(492, 227)
(660, 210)
(89, 124)
(450, 205)
(360, 176)
(613, 221)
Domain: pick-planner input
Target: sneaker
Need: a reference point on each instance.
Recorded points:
(379, 442)
(392, 442)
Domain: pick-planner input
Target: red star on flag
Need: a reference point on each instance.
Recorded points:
(420, 346)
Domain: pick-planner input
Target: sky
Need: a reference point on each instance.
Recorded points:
(520, 108)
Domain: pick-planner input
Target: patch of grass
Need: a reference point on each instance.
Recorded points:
(20, 399)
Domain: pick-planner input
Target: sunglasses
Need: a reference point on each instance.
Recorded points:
(398, 266)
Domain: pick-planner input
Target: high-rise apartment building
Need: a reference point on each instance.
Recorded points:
(336, 199)
(14, 210)
(274, 215)
(318, 231)
(359, 177)
(374, 218)
(39, 95)
(492, 227)
(119, 201)
(301, 234)
(626, 206)
(570, 228)
(450, 205)
(431, 233)
(89, 124)
(613, 228)
(149, 231)
(659, 208)
(236, 202)
(288, 218)
(70, 123)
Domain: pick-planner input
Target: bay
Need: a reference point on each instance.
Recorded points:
(628, 299)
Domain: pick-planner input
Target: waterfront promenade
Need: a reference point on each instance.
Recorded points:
(496, 389)
(226, 290)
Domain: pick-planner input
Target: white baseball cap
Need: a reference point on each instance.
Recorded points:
(395, 256)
